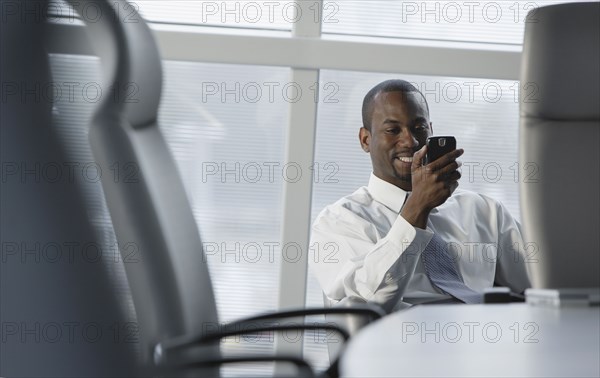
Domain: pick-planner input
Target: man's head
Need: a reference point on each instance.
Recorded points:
(395, 126)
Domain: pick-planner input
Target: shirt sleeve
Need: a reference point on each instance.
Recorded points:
(513, 254)
(352, 260)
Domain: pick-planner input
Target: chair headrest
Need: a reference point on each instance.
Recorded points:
(131, 65)
(560, 80)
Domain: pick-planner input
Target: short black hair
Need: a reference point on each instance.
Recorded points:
(394, 85)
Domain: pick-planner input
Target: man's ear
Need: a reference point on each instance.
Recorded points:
(364, 136)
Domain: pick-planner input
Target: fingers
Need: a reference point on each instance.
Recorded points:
(418, 158)
(448, 172)
(449, 176)
(435, 182)
(450, 168)
(445, 160)
(452, 185)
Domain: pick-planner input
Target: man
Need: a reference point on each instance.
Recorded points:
(373, 243)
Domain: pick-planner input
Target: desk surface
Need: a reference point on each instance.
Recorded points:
(500, 340)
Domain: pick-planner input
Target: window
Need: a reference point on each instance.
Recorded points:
(228, 142)
(274, 15)
(225, 133)
(482, 22)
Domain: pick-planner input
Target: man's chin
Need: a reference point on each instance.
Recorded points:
(404, 182)
(404, 177)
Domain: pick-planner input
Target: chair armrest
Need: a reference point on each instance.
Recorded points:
(304, 369)
(165, 351)
(369, 310)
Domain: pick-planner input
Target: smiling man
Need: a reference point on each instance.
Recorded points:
(410, 236)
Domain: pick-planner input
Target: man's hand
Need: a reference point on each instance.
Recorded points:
(432, 184)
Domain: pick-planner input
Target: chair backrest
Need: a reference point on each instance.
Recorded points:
(58, 311)
(559, 144)
(168, 275)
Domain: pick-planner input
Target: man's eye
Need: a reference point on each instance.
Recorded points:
(392, 131)
(421, 128)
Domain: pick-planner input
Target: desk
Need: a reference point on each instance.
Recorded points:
(499, 340)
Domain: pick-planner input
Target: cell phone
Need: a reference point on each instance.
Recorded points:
(439, 146)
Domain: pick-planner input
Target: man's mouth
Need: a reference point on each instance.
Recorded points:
(405, 159)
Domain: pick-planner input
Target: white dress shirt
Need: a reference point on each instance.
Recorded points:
(367, 250)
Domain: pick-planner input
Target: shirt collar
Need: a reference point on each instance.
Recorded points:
(388, 194)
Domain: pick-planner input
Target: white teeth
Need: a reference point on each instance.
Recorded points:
(405, 159)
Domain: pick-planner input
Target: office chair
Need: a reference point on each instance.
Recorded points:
(57, 307)
(560, 143)
(170, 284)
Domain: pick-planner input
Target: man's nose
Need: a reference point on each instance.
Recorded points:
(407, 140)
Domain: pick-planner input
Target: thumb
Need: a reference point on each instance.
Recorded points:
(419, 157)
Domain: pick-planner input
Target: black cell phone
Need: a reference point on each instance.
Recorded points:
(439, 146)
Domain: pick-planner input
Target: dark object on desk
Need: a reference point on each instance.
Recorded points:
(501, 295)
(559, 153)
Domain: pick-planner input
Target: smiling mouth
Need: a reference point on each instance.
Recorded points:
(405, 159)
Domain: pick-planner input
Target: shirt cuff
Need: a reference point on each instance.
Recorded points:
(409, 239)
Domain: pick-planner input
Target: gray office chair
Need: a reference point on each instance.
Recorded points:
(560, 144)
(57, 308)
(170, 284)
